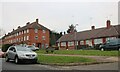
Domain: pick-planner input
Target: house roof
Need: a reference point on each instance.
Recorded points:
(90, 34)
(28, 26)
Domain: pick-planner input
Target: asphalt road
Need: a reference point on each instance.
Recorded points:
(12, 66)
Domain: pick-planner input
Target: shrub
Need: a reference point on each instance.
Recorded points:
(96, 46)
(85, 47)
(5, 47)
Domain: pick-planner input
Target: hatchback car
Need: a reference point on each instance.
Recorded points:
(19, 53)
(111, 45)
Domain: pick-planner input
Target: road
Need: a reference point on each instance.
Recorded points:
(11, 66)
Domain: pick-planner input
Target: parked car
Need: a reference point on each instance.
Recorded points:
(33, 48)
(111, 45)
(1, 54)
(19, 53)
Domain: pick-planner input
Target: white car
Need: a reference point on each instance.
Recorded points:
(19, 53)
(33, 48)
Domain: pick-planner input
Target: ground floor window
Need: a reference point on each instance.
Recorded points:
(110, 38)
(63, 43)
(89, 42)
(97, 41)
(81, 42)
(71, 43)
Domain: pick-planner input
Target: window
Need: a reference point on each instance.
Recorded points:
(24, 31)
(110, 38)
(36, 37)
(24, 38)
(27, 30)
(70, 43)
(81, 42)
(27, 37)
(98, 41)
(89, 42)
(46, 45)
(63, 43)
(36, 30)
(44, 31)
(43, 37)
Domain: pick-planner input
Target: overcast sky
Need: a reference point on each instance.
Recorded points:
(58, 15)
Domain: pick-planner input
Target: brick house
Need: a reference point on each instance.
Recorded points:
(89, 37)
(31, 34)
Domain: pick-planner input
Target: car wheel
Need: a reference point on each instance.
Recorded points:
(16, 60)
(102, 49)
(6, 59)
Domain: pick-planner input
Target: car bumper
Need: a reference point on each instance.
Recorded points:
(28, 60)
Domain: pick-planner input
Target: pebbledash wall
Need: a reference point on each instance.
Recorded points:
(89, 37)
(31, 34)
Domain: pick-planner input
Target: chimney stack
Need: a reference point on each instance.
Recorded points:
(92, 27)
(36, 20)
(108, 23)
(27, 23)
(18, 26)
(13, 29)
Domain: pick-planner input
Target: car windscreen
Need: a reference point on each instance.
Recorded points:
(32, 47)
(23, 49)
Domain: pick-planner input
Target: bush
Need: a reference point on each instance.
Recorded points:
(96, 46)
(86, 47)
(5, 47)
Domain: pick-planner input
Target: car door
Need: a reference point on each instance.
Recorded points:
(13, 53)
(9, 52)
(112, 45)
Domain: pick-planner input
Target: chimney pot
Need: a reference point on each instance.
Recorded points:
(18, 26)
(108, 23)
(13, 29)
(92, 27)
(27, 23)
(36, 20)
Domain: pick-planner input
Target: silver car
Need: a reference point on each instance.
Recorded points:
(19, 53)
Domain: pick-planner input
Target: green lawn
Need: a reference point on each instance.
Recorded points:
(83, 52)
(43, 59)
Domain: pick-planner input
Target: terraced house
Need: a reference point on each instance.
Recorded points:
(31, 34)
(89, 37)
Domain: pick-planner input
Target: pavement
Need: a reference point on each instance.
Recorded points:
(12, 66)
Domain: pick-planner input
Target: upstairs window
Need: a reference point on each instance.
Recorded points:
(36, 37)
(44, 31)
(43, 37)
(27, 30)
(36, 30)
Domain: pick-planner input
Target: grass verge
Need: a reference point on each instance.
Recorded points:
(63, 60)
(83, 52)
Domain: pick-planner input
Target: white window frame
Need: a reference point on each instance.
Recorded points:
(44, 31)
(36, 30)
(27, 30)
(71, 43)
(43, 37)
(27, 37)
(36, 37)
(98, 41)
(63, 43)
(82, 42)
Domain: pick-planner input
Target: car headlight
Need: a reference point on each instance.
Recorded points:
(22, 55)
